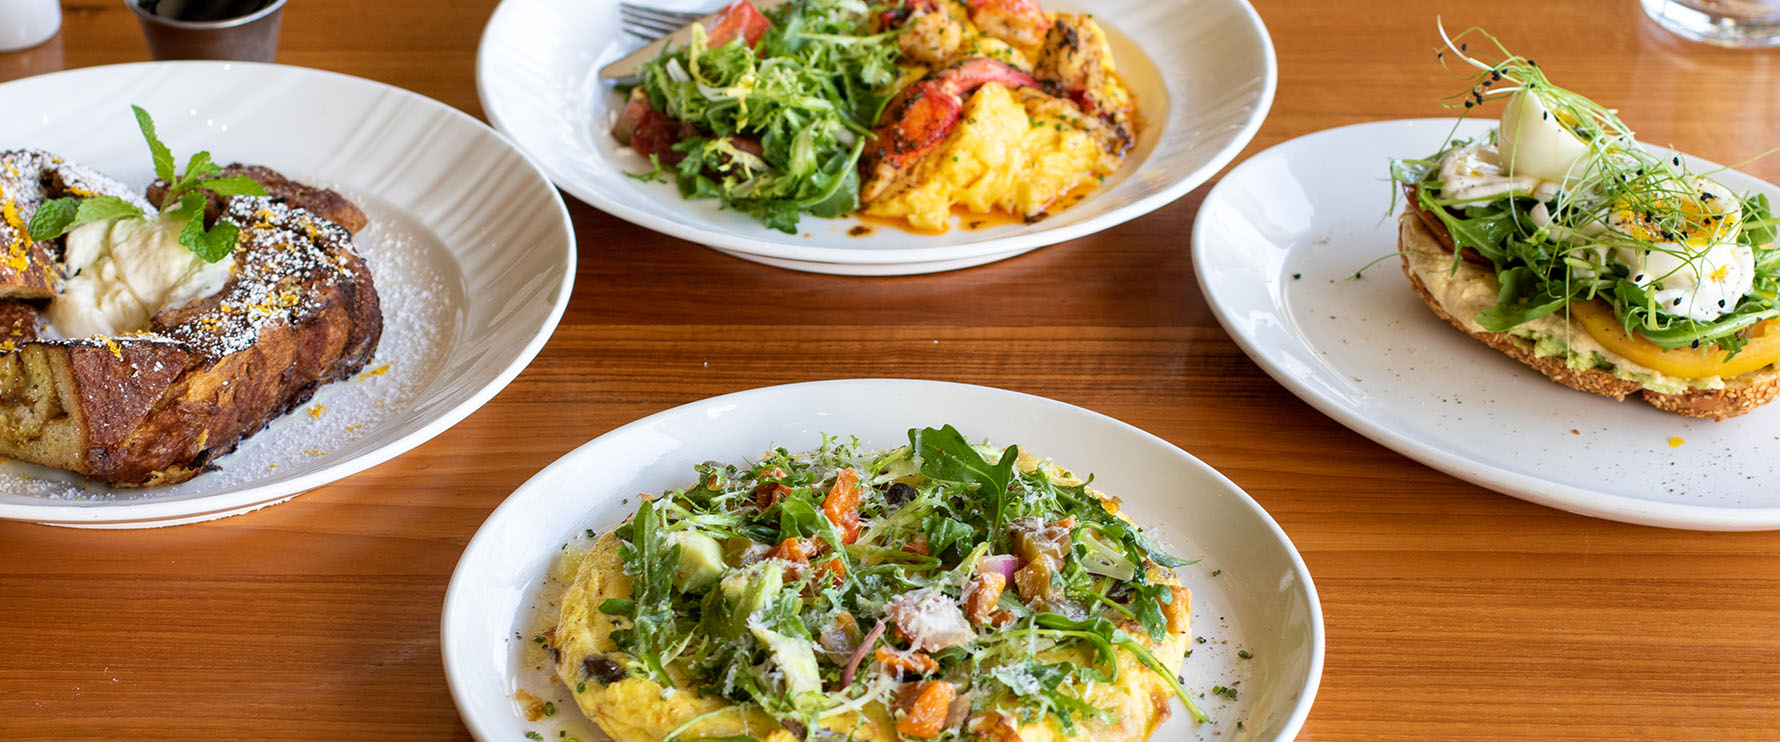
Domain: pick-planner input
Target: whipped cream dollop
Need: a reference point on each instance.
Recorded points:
(123, 272)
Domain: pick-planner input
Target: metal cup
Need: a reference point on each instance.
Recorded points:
(252, 37)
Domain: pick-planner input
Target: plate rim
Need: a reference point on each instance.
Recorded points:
(1592, 503)
(454, 592)
(151, 514)
(826, 259)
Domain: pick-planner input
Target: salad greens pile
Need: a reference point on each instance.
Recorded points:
(809, 92)
(1543, 268)
(184, 201)
(746, 624)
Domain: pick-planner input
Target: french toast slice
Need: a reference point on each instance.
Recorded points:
(28, 268)
(157, 407)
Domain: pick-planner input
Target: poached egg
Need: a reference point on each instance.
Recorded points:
(1688, 257)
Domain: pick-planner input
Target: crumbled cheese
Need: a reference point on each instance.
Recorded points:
(930, 619)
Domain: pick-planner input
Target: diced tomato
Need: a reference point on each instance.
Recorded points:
(927, 716)
(739, 20)
(842, 505)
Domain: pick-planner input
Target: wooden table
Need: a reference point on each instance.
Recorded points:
(1453, 613)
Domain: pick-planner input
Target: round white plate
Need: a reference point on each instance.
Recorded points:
(1261, 600)
(470, 247)
(1203, 72)
(1276, 246)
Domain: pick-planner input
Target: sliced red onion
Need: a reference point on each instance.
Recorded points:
(1006, 564)
(865, 645)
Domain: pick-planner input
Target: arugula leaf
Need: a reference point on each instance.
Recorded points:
(163, 157)
(1146, 602)
(1523, 296)
(652, 632)
(1759, 227)
(945, 455)
(804, 98)
(942, 532)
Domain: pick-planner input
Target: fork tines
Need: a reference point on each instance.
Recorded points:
(650, 23)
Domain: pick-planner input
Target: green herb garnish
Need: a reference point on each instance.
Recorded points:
(1551, 249)
(183, 201)
(808, 92)
(750, 629)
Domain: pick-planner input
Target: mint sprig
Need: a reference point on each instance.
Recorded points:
(184, 200)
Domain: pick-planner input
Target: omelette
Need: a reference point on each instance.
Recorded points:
(938, 590)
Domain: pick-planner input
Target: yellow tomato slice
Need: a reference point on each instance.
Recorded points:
(1686, 363)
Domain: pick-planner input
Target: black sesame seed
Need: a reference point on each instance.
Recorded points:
(1296, 276)
(1677, 301)
(1720, 303)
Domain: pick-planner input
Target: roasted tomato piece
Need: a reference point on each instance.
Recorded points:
(922, 115)
(741, 20)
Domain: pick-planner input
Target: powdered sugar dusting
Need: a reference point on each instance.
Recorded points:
(422, 295)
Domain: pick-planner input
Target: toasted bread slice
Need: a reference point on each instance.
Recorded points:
(299, 310)
(1423, 253)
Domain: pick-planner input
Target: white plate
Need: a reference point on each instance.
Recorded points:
(1203, 72)
(1263, 600)
(470, 246)
(1276, 245)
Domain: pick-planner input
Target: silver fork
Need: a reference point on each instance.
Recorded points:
(649, 23)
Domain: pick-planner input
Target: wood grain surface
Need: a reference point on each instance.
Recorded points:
(1453, 613)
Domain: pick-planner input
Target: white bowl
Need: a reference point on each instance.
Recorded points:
(1261, 598)
(470, 247)
(1203, 72)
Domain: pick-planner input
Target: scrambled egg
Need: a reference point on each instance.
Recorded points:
(1000, 158)
(635, 709)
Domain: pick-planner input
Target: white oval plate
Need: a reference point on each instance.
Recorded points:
(1276, 245)
(1263, 600)
(1203, 71)
(470, 247)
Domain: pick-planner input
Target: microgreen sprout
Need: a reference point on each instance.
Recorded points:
(1591, 234)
